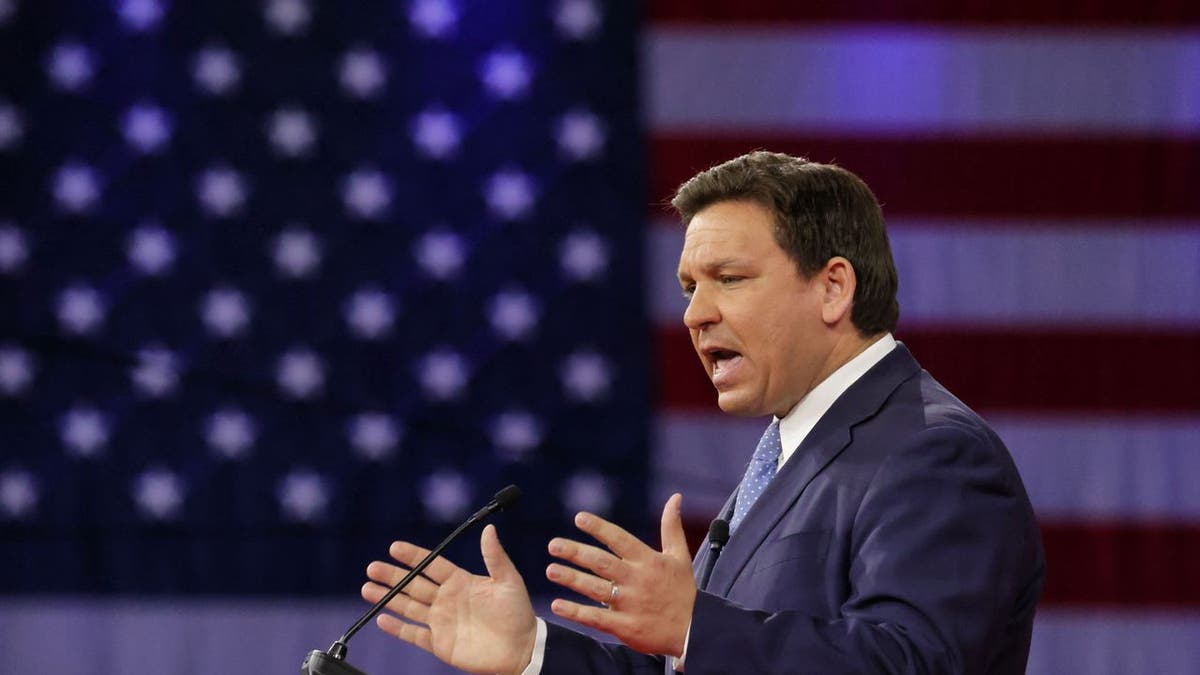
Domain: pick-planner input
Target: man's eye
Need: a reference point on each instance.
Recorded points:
(689, 290)
(729, 279)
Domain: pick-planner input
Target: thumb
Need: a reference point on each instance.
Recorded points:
(674, 541)
(499, 566)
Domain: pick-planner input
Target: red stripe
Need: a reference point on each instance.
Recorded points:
(974, 176)
(1114, 13)
(1122, 564)
(1107, 564)
(1034, 370)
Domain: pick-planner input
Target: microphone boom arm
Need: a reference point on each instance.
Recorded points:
(333, 662)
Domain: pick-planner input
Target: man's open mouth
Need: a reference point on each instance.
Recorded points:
(723, 361)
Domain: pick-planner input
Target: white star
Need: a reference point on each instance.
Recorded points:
(7, 9)
(81, 310)
(580, 135)
(156, 372)
(443, 375)
(510, 194)
(437, 133)
(586, 376)
(18, 494)
(16, 370)
(588, 491)
(440, 253)
(366, 194)
(11, 126)
(362, 73)
(216, 70)
(446, 495)
(302, 495)
(370, 313)
(159, 494)
(151, 249)
(140, 15)
(296, 252)
(225, 312)
(292, 132)
(230, 432)
(76, 187)
(84, 431)
(288, 17)
(221, 191)
(71, 66)
(513, 314)
(146, 128)
(577, 19)
(300, 373)
(433, 18)
(515, 433)
(373, 435)
(583, 255)
(506, 73)
(14, 249)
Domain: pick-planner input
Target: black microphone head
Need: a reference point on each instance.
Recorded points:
(718, 532)
(507, 497)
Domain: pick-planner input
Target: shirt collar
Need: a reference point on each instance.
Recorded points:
(796, 425)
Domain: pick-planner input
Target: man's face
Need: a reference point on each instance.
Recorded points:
(754, 320)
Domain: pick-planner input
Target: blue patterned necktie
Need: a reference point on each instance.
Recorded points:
(763, 466)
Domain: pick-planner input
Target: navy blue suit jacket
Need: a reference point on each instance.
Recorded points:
(897, 539)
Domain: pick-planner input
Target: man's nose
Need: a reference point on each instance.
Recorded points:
(701, 310)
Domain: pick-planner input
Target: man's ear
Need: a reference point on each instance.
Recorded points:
(838, 282)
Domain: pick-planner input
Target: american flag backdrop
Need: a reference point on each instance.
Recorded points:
(1039, 169)
(284, 280)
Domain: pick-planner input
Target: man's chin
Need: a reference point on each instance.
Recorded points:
(738, 404)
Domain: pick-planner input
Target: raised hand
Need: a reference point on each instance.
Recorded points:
(651, 606)
(480, 624)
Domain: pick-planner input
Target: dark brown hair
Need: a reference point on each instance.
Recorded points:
(820, 211)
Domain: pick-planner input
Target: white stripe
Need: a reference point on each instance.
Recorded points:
(1086, 468)
(702, 456)
(122, 636)
(896, 79)
(66, 635)
(1010, 273)
(1136, 468)
(1125, 642)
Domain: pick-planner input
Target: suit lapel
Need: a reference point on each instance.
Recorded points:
(823, 444)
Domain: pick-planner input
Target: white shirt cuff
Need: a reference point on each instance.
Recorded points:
(677, 663)
(539, 650)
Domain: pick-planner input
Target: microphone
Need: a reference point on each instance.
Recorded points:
(333, 661)
(718, 536)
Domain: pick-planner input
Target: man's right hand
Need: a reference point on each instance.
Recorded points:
(480, 624)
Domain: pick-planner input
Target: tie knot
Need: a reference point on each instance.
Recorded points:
(770, 446)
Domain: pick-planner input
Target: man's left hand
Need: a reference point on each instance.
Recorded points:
(651, 607)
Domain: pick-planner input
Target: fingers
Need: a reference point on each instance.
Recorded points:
(499, 566)
(410, 633)
(596, 617)
(409, 608)
(590, 557)
(410, 554)
(614, 537)
(582, 583)
(674, 541)
(389, 575)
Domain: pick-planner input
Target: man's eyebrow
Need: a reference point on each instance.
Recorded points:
(713, 266)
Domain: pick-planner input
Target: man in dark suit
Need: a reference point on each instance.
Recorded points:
(881, 526)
